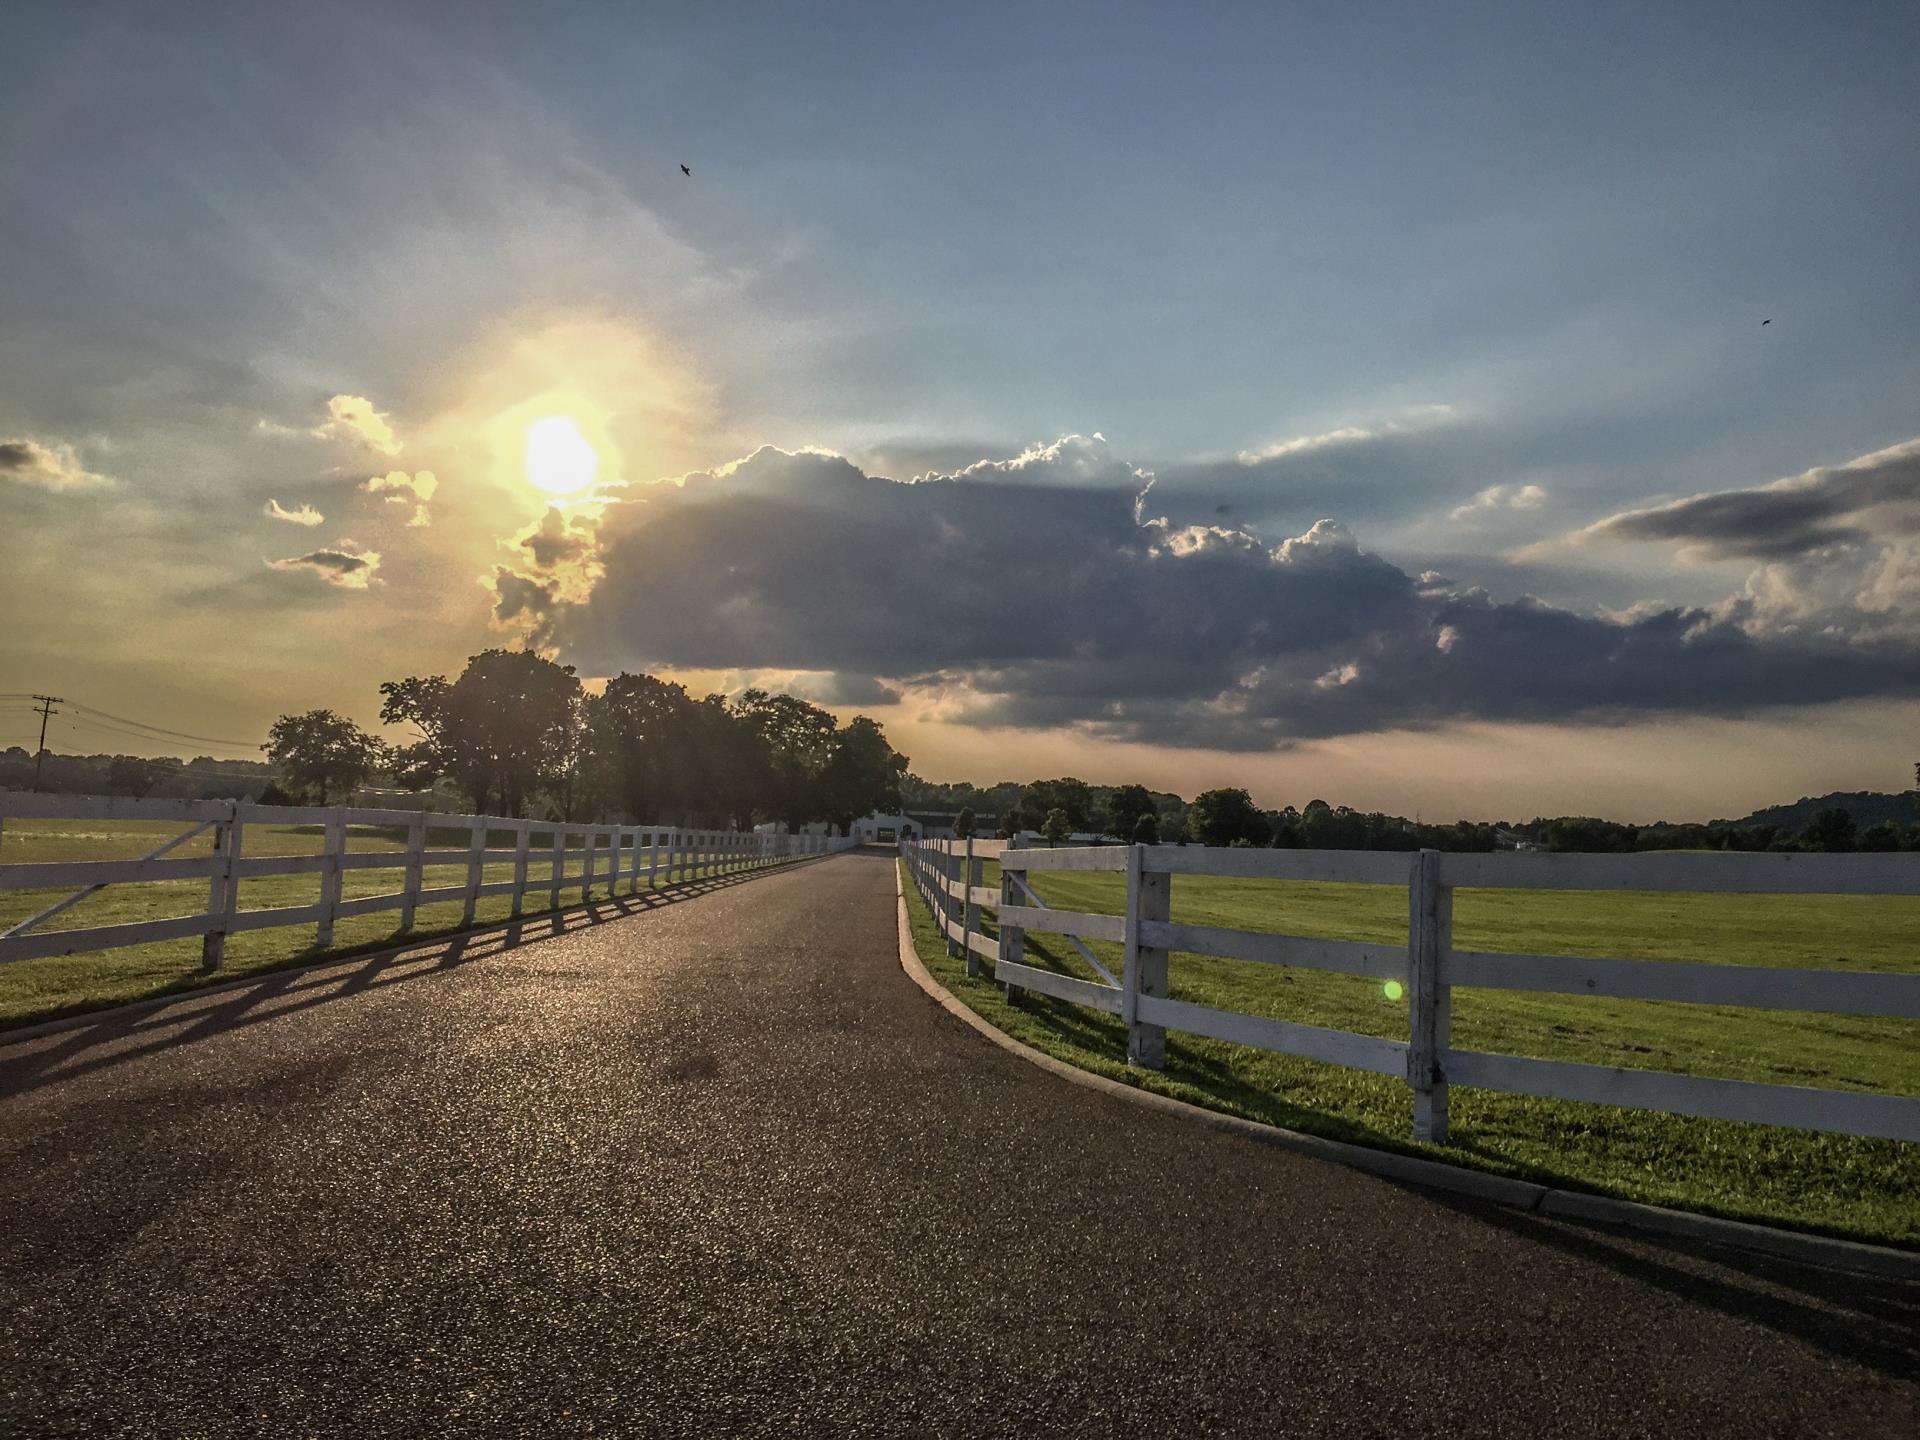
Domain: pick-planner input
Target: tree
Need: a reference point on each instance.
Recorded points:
(1829, 829)
(1125, 806)
(1042, 796)
(1009, 824)
(508, 728)
(322, 754)
(798, 743)
(729, 772)
(1882, 837)
(863, 775)
(1220, 817)
(638, 744)
(131, 775)
(1146, 829)
(963, 824)
(1057, 826)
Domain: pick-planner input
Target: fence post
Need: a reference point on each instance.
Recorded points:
(559, 867)
(223, 891)
(410, 888)
(1013, 938)
(1145, 973)
(970, 909)
(333, 848)
(522, 839)
(587, 839)
(948, 910)
(1429, 999)
(476, 857)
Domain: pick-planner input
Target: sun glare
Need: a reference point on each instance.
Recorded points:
(559, 460)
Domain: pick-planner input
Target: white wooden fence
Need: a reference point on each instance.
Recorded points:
(948, 876)
(554, 858)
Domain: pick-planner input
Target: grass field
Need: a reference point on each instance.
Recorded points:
(1842, 1185)
(57, 985)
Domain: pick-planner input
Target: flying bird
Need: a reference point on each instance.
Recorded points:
(1766, 322)
(685, 171)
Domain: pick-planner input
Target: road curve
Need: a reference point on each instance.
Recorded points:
(720, 1168)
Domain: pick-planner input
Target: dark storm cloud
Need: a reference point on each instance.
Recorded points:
(347, 568)
(1049, 604)
(48, 467)
(1872, 498)
(517, 595)
(552, 541)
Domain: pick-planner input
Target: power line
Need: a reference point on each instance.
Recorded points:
(106, 729)
(163, 730)
(169, 763)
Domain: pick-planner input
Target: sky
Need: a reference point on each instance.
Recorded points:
(1359, 403)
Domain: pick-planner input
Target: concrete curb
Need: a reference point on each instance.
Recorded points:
(19, 1034)
(1572, 1205)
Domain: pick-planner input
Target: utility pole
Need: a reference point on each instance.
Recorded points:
(47, 702)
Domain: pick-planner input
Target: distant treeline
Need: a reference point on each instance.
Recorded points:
(516, 734)
(1230, 817)
(201, 778)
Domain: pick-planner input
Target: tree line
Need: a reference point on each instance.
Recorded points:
(517, 734)
(1060, 809)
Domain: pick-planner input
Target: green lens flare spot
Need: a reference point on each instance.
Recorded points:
(1394, 989)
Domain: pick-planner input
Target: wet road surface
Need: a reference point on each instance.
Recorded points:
(719, 1167)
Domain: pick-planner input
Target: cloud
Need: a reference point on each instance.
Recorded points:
(1867, 498)
(561, 557)
(345, 565)
(46, 467)
(353, 417)
(517, 596)
(1072, 460)
(1420, 417)
(1364, 472)
(553, 542)
(1500, 497)
(305, 515)
(1052, 605)
(400, 488)
(1836, 548)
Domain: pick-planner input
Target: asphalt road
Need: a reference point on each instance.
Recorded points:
(720, 1168)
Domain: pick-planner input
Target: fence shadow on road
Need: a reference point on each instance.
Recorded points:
(1871, 1320)
(191, 1016)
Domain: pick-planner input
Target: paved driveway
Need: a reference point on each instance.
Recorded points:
(720, 1168)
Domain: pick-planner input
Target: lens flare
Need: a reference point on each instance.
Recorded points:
(1393, 989)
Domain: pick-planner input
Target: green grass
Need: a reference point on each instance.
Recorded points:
(1835, 1184)
(58, 985)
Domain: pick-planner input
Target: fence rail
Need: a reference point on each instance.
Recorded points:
(947, 875)
(568, 857)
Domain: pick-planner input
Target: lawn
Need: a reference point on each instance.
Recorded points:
(57, 985)
(1835, 1184)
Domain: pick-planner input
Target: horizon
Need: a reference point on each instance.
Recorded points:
(1373, 408)
(185, 766)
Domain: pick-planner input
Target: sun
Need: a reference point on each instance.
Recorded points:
(558, 458)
